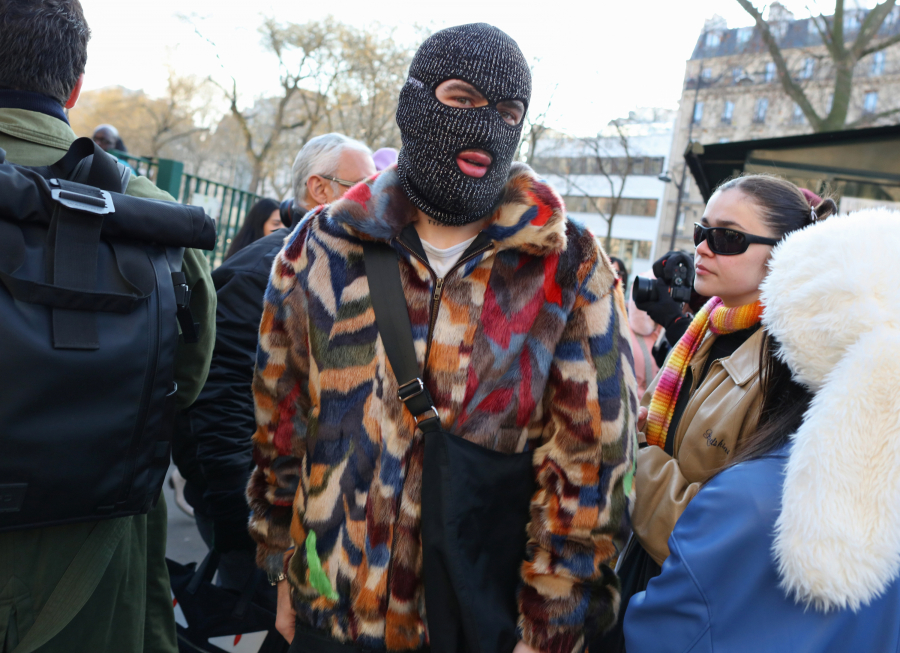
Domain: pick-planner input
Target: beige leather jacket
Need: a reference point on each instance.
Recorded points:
(719, 413)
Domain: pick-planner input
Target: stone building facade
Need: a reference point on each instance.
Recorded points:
(731, 92)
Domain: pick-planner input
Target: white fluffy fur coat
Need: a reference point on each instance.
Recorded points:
(832, 299)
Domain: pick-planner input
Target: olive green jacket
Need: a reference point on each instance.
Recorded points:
(96, 586)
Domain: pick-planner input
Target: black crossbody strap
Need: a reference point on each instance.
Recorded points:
(392, 319)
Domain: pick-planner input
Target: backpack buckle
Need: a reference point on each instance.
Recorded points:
(409, 390)
(79, 197)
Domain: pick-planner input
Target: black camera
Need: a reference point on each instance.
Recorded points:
(677, 273)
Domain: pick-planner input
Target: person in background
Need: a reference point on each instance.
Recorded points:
(706, 398)
(385, 158)
(326, 167)
(795, 547)
(125, 603)
(525, 323)
(212, 447)
(262, 219)
(621, 272)
(106, 137)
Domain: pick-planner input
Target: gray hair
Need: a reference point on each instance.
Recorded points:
(321, 156)
(112, 130)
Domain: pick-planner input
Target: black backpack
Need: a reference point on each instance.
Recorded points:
(91, 299)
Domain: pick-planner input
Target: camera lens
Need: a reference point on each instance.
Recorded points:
(644, 290)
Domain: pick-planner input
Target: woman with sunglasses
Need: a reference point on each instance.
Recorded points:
(706, 397)
(795, 548)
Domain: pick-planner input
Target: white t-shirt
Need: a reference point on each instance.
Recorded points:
(441, 260)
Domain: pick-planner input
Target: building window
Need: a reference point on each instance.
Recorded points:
(870, 102)
(809, 65)
(851, 21)
(878, 63)
(759, 112)
(744, 34)
(713, 39)
(706, 74)
(639, 207)
(770, 71)
(698, 113)
(727, 112)
(736, 74)
(797, 117)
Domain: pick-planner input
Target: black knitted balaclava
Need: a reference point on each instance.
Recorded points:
(434, 133)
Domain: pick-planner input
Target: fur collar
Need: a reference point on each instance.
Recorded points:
(833, 305)
(531, 217)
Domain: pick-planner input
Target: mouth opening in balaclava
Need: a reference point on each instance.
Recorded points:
(445, 148)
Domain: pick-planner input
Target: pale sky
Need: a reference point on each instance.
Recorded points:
(604, 58)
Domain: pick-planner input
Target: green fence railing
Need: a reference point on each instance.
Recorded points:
(226, 204)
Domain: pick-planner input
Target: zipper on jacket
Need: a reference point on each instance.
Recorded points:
(438, 292)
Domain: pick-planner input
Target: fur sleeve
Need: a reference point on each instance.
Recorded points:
(584, 469)
(281, 397)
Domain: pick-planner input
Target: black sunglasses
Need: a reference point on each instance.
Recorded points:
(727, 242)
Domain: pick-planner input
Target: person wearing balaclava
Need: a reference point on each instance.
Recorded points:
(520, 339)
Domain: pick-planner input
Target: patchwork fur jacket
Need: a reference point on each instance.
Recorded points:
(524, 346)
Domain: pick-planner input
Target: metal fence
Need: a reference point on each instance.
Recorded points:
(226, 204)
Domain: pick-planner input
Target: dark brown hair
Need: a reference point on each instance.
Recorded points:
(785, 208)
(783, 205)
(784, 402)
(254, 226)
(43, 46)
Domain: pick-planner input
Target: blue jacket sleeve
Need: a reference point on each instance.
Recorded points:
(729, 520)
(672, 615)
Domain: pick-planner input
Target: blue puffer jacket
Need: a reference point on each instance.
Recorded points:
(720, 588)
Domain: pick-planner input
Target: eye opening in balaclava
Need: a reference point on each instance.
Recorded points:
(434, 133)
(491, 103)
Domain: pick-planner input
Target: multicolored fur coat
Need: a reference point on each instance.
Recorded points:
(525, 347)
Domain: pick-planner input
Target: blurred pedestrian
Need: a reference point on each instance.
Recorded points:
(795, 548)
(212, 446)
(706, 399)
(107, 137)
(385, 158)
(262, 219)
(621, 272)
(99, 586)
(514, 324)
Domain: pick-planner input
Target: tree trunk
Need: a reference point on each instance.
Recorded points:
(843, 87)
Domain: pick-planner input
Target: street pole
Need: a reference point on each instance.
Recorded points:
(684, 167)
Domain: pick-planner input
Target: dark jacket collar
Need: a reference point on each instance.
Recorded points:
(29, 101)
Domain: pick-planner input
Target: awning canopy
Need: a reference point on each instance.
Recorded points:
(862, 163)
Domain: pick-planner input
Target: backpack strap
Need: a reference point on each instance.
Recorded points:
(392, 320)
(74, 236)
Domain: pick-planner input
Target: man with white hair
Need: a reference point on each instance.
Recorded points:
(326, 167)
(213, 448)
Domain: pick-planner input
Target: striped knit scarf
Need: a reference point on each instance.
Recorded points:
(714, 317)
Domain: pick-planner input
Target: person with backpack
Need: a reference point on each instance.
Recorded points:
(795, 546)
(444, 391)
(93, 585)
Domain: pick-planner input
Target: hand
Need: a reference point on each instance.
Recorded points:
(286, 617)
(522, 647)
(643, 411)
